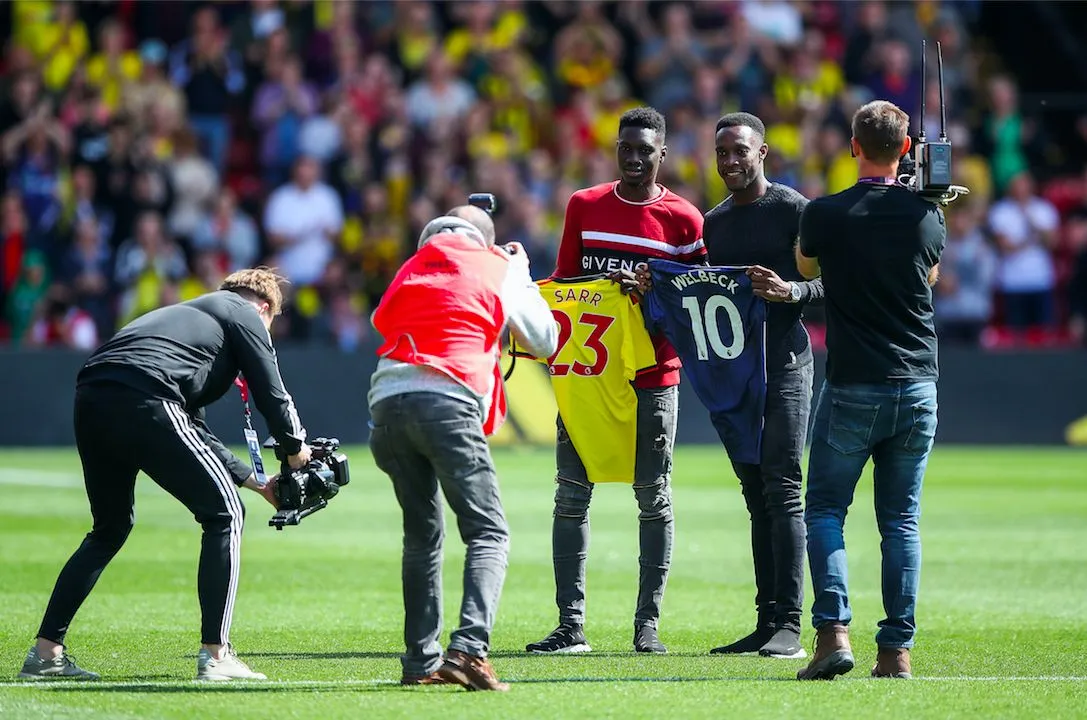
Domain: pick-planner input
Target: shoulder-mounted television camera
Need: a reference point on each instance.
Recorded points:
(928, 171)
(304, 491)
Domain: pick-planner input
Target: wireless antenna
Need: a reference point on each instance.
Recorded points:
(932, 161)
(943, 108)
(924, 82)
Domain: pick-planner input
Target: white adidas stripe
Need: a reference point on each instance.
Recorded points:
(221, 477)
(218, 473)
(641, 242)
(292, 412)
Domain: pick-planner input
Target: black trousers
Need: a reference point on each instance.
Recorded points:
(118, 433)
(772, 491)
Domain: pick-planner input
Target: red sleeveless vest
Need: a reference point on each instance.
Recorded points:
(444, 310)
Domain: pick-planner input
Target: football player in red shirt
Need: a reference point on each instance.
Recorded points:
(610, 228)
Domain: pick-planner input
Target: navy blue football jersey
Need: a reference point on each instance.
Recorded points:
(718, 327)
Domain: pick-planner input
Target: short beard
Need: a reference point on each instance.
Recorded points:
(749, 179)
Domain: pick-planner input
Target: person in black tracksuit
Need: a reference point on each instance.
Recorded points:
(758, 226)
(139, 405)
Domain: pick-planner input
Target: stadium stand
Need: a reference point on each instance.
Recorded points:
(149, 148)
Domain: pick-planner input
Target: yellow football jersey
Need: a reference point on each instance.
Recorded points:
(603, 345)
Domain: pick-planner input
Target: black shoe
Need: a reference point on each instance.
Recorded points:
(784, 645)
(564, 639)
(646, 641)
(749, 645)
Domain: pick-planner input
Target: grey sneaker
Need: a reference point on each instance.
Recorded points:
(646, 641)
(62, 667)
(228, 667)
(563, 639)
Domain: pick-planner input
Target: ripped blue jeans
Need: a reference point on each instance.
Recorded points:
(657, 408)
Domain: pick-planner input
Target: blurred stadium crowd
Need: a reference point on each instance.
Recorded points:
(149, 148)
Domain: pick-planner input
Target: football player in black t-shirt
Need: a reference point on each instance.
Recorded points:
(757, 226)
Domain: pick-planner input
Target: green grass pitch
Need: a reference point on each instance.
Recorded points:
(1002, 607)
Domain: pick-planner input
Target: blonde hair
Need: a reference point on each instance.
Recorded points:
(260, 283)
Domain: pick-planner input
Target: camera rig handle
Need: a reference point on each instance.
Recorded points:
(284, 518)
(322, 448)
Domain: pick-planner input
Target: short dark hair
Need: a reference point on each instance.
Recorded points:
(643, 117)
(742, 119)
(880, 128)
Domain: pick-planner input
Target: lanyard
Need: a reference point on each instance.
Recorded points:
(243, 390)
(251, 439)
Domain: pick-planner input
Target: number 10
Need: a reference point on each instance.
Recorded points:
(707, 330)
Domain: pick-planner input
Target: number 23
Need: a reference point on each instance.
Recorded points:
(599, 325)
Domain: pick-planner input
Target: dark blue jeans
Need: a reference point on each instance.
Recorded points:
(421, 440)
(894, 424)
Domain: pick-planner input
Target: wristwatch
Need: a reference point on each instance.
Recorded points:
(794, 293)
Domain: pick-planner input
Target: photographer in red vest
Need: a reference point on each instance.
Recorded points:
(435, 396)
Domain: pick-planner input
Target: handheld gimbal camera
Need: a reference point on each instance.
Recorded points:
(304, 491)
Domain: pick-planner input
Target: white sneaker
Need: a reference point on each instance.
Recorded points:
(229, 667)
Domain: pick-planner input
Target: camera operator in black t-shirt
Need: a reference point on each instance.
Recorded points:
(877, 247)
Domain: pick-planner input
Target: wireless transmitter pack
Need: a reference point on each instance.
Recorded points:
(928, 172)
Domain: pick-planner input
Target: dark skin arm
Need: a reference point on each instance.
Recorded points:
(643, 279)
(765, 283)
(630, 282)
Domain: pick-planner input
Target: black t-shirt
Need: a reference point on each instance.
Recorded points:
(876, 245)
(764, 233)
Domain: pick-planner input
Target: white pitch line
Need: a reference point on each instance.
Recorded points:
(136, 685)
(30, 477)
(241, 685)
(1010, 678)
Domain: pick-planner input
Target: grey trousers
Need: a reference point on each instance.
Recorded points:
(657, 410)
(421, 440)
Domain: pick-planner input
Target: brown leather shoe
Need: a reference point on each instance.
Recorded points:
(432, 679)
(833, 654)
(470, 671)
(893, 663)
